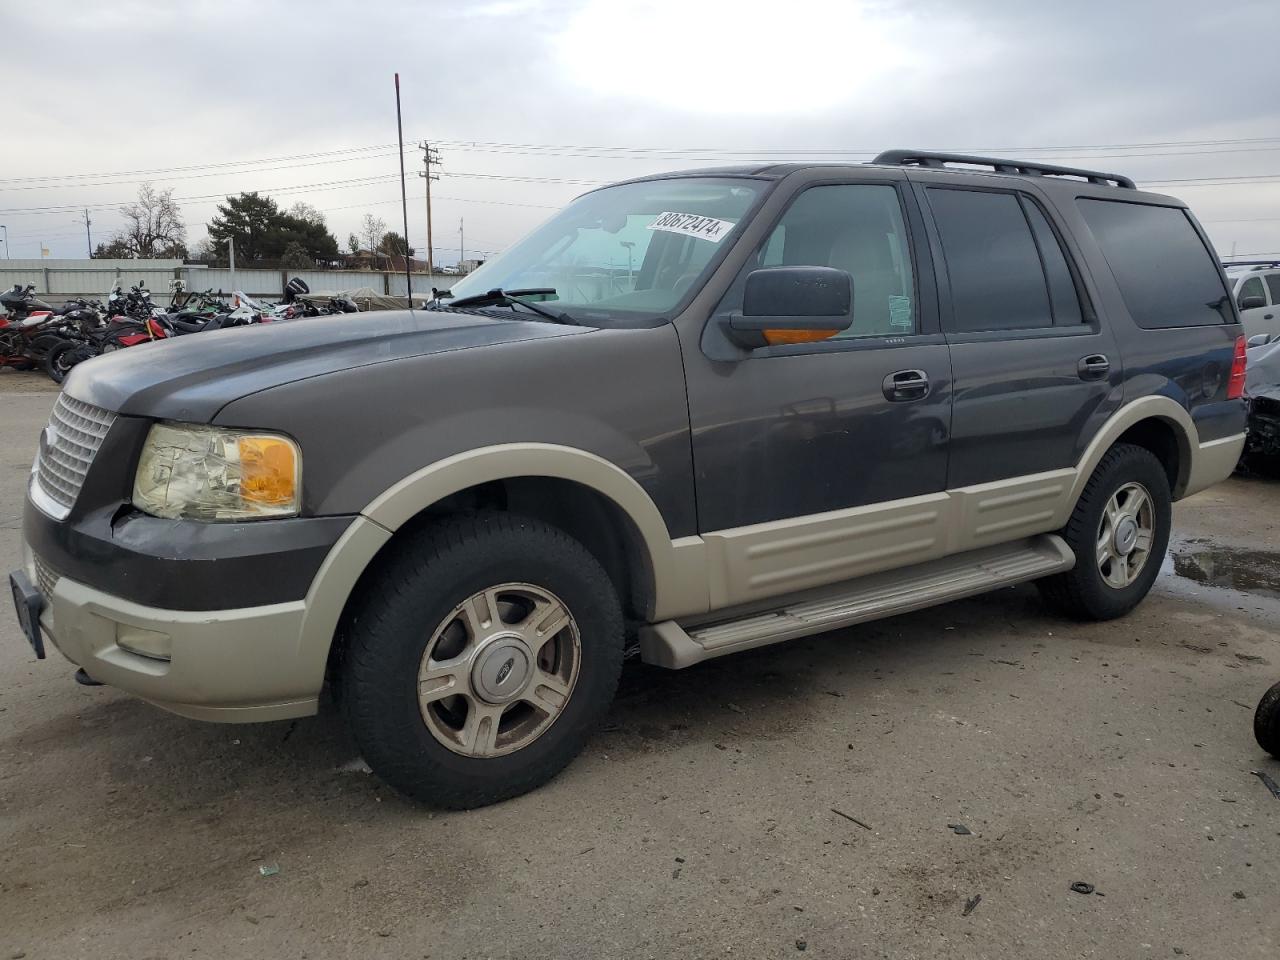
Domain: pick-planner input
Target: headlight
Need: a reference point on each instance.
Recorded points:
(209, 473)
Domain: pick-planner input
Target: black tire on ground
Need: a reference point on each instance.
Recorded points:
(1082, 592)
(1266, 722)
(61, 358)
(414, 587)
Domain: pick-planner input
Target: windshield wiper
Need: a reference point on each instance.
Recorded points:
(497, 296)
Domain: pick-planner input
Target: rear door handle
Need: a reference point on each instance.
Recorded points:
(1093, 367)
(905, 385)
(1266, 316)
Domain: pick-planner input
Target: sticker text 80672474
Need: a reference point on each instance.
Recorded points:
(692, 225)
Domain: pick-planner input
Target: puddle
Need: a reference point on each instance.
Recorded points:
(1255, 572)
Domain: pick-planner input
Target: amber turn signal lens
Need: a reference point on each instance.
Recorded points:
(778, 338)
(268, 470)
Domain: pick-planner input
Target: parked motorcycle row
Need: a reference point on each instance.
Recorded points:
(35, 334)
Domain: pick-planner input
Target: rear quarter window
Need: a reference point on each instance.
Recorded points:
(1166, 274)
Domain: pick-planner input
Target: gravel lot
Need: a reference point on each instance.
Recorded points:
(699, 822)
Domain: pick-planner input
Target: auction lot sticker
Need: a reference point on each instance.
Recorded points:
(692, 225)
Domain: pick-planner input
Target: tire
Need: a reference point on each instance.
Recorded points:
(1266, 722)
(61, 358)
(411, 610)
(1084, 592)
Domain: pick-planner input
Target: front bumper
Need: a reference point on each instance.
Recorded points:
(1264, 425)
(236, 665)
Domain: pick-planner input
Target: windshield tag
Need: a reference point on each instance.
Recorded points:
(692, 225)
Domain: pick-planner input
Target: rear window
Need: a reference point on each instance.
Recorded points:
(1166, 274)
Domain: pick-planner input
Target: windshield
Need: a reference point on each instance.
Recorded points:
(630, 251)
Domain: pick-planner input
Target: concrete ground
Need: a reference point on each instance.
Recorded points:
(700, 822)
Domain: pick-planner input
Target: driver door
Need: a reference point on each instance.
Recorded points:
(811, 465)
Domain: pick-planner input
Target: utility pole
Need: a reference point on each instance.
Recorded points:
(231, 258)
(6, 240)
(462, 244)
(430, 155)
(87, 237)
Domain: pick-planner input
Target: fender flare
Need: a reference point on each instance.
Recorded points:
(1153, 407)
(676, 567)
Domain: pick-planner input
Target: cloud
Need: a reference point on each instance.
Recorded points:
(143, 85)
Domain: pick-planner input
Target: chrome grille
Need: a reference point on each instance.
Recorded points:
(46, 578)
(67, 448)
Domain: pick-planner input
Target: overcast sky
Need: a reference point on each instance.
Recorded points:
(599, 90)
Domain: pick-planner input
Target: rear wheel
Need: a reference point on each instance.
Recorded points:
(61, 358)
(1119, 532)
(487, 650)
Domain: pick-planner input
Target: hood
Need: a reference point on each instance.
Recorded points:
(192, 377)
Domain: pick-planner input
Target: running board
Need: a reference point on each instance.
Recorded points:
(668, 644)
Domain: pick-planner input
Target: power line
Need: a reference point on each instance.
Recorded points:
(194, 176)
(369, 151)
(202, 166)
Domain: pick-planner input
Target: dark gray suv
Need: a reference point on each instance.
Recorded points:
(705, 411)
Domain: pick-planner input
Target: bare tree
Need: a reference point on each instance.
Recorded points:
(371, 230)
(305, 211)
(353, 243)
(153, 225)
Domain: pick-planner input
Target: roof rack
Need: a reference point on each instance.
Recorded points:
(1255, 264)
(928, 158)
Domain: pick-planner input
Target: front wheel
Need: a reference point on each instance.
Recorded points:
(485, 654)
(1119, 532)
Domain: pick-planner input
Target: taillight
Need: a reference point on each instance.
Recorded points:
(1235, 385)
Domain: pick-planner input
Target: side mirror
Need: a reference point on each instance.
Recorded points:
(783, 305)
(1252, 303)
(1258, 340)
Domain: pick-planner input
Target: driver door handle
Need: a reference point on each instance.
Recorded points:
(1093, 367)
(905, 385)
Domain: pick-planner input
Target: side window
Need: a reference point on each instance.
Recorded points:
(993, 263)
(1062, 286)
(853, 227)
(1250, 288)
(1166, 274)
(1273, 285)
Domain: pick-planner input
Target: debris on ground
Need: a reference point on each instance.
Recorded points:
(269, 869)
(1081, 887)
(960, 830)
(1268, 783)
(802, 944)
(1239, 895)
(971, 904)
(841, 813)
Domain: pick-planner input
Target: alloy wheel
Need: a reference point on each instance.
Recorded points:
(499, 670)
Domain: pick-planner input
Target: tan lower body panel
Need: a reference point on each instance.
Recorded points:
(670, 644)
(746, 564)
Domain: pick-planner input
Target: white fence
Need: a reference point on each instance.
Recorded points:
(58, 280)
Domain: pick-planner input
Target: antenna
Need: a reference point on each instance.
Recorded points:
(404, 202)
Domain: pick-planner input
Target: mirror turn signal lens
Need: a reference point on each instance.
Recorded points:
(777, 338)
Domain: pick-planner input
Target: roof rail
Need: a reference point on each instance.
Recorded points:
(1256, 264)
(928, 158)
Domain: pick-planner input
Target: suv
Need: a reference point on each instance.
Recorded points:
(703, 412)
(1255, 285)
